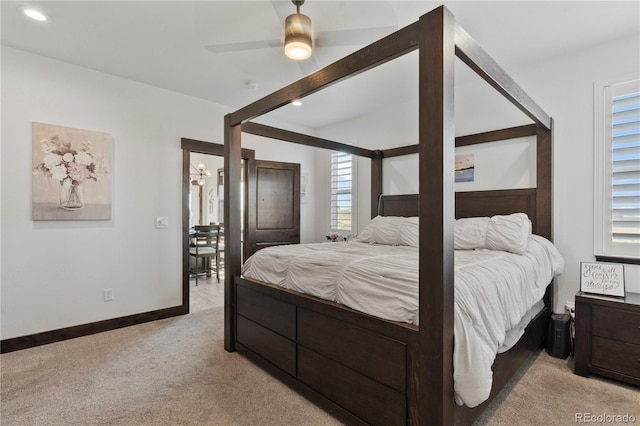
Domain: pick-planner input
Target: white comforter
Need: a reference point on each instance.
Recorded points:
(493, 291)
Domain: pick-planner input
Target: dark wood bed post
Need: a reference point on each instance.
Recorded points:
(376, 182)
(544, 167)
(434, 366)
(232, 225)
(544, 192)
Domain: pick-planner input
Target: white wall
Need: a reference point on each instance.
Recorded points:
(54, 273)
(563, 87)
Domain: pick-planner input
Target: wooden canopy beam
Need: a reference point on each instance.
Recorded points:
(301, 139)
(478, 60)
(477, 138)
(390, 47)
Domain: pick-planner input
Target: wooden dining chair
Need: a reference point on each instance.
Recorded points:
(203, 247)
(219, 250)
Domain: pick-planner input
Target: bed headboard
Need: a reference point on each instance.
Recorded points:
(469, 204)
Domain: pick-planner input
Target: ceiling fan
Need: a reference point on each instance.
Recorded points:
(300, 39)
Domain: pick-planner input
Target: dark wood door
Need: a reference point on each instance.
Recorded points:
(273, 204)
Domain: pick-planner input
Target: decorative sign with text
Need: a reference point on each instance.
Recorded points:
(602, 278)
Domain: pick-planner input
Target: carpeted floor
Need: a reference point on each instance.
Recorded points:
(548, 393)
(176, 372)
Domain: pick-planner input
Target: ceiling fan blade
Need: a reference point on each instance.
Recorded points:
(282, 10)
(351, 37)
(247, 45)
(308, 66)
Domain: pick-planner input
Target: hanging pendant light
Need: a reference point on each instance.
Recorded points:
(199, 174)
(298, 38)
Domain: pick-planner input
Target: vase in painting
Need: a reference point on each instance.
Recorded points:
(72, 196)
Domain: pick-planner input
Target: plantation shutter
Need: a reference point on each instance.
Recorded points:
(617, 167)
(341, 192)
(625, 167)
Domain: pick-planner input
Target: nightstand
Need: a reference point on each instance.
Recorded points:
(608, 336)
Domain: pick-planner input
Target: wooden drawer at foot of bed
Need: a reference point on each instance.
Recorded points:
(378, 357)
(371, 401)
(274, 314)
(271, 346)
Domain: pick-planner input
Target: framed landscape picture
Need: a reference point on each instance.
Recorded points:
(465, 168)
(71, 173)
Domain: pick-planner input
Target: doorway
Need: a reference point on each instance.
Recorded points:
(203, 199)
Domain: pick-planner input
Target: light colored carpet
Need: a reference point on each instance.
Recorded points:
(548, 393)
(176, 372)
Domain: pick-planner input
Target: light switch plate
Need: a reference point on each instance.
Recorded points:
(162, 222)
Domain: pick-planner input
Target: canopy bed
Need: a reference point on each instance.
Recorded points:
(364, 368)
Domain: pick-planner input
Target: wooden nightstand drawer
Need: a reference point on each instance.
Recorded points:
(616, 324)
(607, 336)
(616, 356)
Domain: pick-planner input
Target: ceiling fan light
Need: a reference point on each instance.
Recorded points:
(297, 49)
(297, 37)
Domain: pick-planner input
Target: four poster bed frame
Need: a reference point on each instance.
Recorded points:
(363, 369)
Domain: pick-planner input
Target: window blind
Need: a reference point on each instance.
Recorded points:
(625, 168)
(341, 215)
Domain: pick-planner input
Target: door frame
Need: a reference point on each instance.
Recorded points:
(200, 147)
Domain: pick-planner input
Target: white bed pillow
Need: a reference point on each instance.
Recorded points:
(391, 230)
(509, 233)
(501, 232)
(409, 233)
(379, 230)
(470, 233)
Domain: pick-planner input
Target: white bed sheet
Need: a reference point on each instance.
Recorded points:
(493, 291)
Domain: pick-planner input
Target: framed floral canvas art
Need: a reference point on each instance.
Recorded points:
(71, 173)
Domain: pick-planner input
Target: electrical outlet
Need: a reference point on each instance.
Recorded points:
(108, 294)
(570, 308)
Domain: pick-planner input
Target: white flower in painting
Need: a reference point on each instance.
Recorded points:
(59, 172)
(67, 165)
(51, 160)
(84, 158)
(46, 148)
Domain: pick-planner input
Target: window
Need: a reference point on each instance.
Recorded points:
(617, 156)
(342, 215)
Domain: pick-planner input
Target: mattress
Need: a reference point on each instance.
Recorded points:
(494, 291)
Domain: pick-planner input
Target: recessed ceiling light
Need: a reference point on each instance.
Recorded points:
(296, 103)
(35, 14)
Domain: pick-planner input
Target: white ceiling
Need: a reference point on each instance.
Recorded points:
(163, 43)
